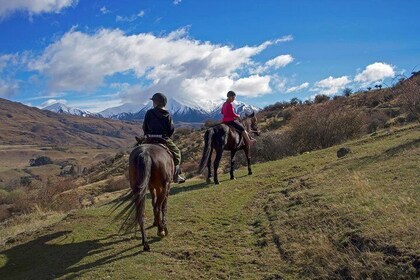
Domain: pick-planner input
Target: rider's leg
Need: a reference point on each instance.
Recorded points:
(247, 138)
(177, 160)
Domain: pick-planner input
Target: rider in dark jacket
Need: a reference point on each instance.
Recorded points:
(158, 123)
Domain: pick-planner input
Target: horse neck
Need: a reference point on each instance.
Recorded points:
(247, 124)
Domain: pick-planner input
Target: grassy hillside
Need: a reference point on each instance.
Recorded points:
(304, 217)
(23, 125)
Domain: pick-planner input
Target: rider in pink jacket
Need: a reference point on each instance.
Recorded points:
(231, 118)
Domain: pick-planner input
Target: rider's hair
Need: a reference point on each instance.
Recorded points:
(231, 93)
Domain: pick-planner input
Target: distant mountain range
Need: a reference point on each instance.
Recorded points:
(24, 125)
(181, 112)
(64, 109)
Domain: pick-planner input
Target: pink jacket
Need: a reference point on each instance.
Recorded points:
(228, 112)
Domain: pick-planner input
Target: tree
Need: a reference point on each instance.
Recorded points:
(347, 92)
(295, 101)
(369, 88)
(320, 98)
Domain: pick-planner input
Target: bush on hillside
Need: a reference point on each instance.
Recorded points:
(3, 196)
(42, 160)
(44, 197)
(117, 184)
(376, 120)
(21, 200)
(4, 213)
(270, 146)
(321, 98)
(324, 125)
(410, 99)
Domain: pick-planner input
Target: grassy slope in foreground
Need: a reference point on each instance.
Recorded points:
(301, 217)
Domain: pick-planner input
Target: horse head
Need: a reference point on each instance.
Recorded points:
(250, 122)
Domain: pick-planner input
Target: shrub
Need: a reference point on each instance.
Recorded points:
(4, 213)
(189, 169)
(42, 160)
(45, 196)
(3, 196)
(66, 201)
(117, 184)
(270, 146)
(410, 99)
(324, 125)
(376, 120)
(21, 200)
(321, 98)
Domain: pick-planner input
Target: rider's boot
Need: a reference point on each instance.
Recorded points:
(177, 175)
(250, 141)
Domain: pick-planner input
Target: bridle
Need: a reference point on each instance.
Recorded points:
(245, 124)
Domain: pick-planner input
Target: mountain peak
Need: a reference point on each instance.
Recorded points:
(64, 109)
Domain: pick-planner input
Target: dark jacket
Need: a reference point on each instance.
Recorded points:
(157, 121)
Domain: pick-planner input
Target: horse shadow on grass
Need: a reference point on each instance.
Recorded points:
(55, 255)
(199, 186)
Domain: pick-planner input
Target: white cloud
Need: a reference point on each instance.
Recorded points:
(375, 72)
(9, 60)
(279, 83)
(279, 61)
(252, 86)
(130, 18)
(176, 2)
(174, 64)
(8, 7)
(330, 85)
(52, 101)
(8, 88)
(104, 10)
(297, 88)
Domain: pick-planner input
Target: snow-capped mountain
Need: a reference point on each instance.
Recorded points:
(64, 109)
(241, 108)
(180, 111)
(115, 112)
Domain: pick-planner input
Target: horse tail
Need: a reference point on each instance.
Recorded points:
(207, 148)
(134, 211)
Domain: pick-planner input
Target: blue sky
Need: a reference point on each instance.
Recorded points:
(95, 54)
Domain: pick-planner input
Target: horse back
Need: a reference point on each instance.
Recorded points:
(161, 159)
(226, 137)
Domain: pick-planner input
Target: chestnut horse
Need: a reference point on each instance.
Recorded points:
(151, 166)
(223, 137)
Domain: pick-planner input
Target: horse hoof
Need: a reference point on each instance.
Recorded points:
(161, 233)
(232, 178)
(146, 248)
(216, 183)
(249, 173)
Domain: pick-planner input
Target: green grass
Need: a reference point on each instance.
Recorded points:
(304, 217)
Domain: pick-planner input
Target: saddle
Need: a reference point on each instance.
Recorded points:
(153, 140)
(241, 141)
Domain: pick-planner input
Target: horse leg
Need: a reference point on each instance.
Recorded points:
(153, 194)
(208, 180)
(165, 208)
(248, 158)
(232, 164)
(161, 196)
(140, 219)
(216, 165)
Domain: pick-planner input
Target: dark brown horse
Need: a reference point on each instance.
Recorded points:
(150, 167)
(223, 137)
